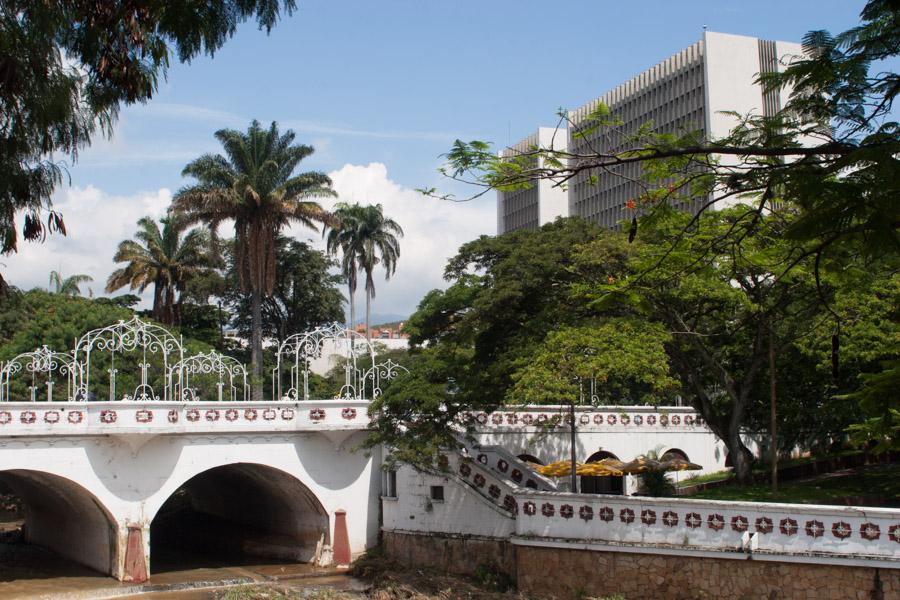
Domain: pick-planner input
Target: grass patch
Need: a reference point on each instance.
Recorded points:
(873, 481)
(705, 478)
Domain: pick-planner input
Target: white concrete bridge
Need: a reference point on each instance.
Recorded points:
(157, 465)
(96, 479)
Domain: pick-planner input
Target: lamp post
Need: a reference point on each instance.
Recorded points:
(572, 441)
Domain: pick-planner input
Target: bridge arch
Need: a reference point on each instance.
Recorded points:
(232, 512)
(65, 517)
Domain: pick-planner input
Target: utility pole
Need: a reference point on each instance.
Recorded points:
(773, 423)
(572, 440)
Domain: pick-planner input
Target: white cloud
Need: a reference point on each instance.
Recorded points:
(433, 229)
(96, 222)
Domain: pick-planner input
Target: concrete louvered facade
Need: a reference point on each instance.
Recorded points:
(541, 203)
(692, 90)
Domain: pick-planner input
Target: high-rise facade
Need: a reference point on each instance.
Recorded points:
(541, 203)
(689, 91)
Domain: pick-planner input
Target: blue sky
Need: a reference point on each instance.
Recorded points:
(381, 89)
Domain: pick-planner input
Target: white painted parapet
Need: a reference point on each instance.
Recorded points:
(798, 531)
(124, 417)
(739, 530)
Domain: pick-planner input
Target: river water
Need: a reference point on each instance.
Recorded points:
(30, 572)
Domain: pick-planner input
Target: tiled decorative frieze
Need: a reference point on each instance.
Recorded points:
(593, 418)
(484, 482)
(31, 418)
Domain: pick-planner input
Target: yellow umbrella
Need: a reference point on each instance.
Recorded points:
(563, 468)
(641, 464)
(598, 469)
(679, 464)
(613, 464)
(560, 468)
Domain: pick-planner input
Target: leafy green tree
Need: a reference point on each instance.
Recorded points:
(254, 185)
(167, 259)
(867, 307)
(366, 239)
(722, 294)
(52, 107)
(67, 286)
(305, 294)
(507, 295)
(625, 358)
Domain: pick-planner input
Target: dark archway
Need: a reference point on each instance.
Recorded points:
(602, 485)
(530, 458)
(674, 453)
(63, 517)
(237, 514)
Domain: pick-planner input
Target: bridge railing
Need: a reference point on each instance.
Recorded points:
(138, 360)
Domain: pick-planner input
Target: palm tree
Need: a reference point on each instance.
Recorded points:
(343, 237)
(366, 239)
(254, 186)
(163, 258)
(68, 286)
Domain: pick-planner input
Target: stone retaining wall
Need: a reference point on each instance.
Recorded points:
(567, 573)
(460, 555)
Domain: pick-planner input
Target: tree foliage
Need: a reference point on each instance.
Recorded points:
(603, 362)
(29, 320)
(67, 286)
(65, 69)
(305, 294)
(254, 185)
(489, 338)
(167, 259)
(366, 239)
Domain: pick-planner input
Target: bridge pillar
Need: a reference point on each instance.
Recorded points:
(135, 566)
(341, 546)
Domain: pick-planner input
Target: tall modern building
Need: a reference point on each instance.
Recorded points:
(541, 203)
(689, 91)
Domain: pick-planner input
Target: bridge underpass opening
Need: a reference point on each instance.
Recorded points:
(237, 514)
(60, 516)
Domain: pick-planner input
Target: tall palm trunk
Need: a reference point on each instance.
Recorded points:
(158, 301)
(368, 314)
(370, 294)
(352, 293)
(256, 349)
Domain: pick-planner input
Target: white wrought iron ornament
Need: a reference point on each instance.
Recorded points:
(382, 372)
(297, 352)
(157, 348)
(39, 362)
(231, 373)
(134, 335)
